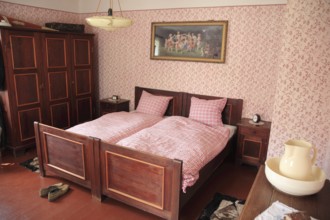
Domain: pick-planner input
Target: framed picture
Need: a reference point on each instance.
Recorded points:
(189, 41)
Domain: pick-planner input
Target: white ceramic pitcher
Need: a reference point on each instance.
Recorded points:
(296, 163)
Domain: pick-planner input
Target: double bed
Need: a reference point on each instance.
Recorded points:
(153, 182)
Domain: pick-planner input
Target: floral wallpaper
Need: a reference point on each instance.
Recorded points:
(38, 16)
(277, 61)
(250, 70)
(302, 99)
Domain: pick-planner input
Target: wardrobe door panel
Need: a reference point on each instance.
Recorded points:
(60, 115)
(58, 85)
(84, 109)
(57, 81)
(26, 89)
(81, 53)
(56, 52)
(83, 95)
(25, 121)
(23, 45)
(83, 82)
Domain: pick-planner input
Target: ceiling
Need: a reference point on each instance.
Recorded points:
(90, 6)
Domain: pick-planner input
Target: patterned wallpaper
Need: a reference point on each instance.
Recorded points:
(302, 100)
(250, 71)
(34, 15)
(277, 61)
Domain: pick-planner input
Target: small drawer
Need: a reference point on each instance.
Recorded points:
(105, 105)
(254, 132)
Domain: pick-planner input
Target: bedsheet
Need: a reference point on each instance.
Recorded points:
(115, 126)
(232, 130)
(181, 138)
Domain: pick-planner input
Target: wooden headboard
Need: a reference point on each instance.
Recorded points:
(180, 104)
(174, 106)
(231, 115)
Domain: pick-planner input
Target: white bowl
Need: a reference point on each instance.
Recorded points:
(292, 186)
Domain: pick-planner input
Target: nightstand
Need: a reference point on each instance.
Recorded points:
(252, 142)
(108, 105)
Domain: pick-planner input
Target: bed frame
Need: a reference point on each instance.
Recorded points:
(148, 182)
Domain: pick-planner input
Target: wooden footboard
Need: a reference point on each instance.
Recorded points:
(68, 155)
(145, 181)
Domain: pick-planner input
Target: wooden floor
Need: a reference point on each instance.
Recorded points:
(19, 198)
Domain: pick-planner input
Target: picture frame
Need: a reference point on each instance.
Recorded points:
(199, 41)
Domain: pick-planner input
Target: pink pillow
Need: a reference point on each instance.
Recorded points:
(152, 104)
(207, 111)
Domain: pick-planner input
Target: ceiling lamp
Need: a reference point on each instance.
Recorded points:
(109, 23)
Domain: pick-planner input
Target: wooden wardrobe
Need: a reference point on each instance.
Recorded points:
(48, 78)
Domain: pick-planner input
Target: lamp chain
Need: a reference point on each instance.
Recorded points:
(98, 6)
(111, 6)
(121, 13)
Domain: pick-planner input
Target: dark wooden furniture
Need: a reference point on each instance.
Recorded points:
(48, 78)
(148, 182)
(263, 194)
(108, 105)
(252, 142)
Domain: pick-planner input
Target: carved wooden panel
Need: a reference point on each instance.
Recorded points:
(252, 148)
(135, 179)
(83, 81)
(23, 52)
(26, 118)
(26, 89)
(60, 115)
(84, 109)
(81, 52)
(58, 85)
(56, 52)
(65, 155)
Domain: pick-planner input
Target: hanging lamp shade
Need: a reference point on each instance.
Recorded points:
(109, 23)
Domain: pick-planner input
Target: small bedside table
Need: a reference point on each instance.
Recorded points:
(252, 142)
(108, 105)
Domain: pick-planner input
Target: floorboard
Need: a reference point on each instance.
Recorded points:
(19, 198)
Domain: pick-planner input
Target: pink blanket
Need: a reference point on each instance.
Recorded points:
(184, 139)
(115, 126)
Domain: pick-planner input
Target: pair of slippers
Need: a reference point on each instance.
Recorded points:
(54, 191)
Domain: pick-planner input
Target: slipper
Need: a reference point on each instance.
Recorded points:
(57, 192)
(44, 192)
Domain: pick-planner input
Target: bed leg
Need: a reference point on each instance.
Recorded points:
(176, 189)
(96, 187)
(39, 150)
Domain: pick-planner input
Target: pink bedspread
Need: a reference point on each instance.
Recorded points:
(184, 139)
(115, 126)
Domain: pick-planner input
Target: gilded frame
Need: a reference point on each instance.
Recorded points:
(199, 41)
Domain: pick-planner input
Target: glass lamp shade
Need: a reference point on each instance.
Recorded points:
(109, 23)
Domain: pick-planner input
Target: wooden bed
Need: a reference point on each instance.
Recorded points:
(148, 182)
